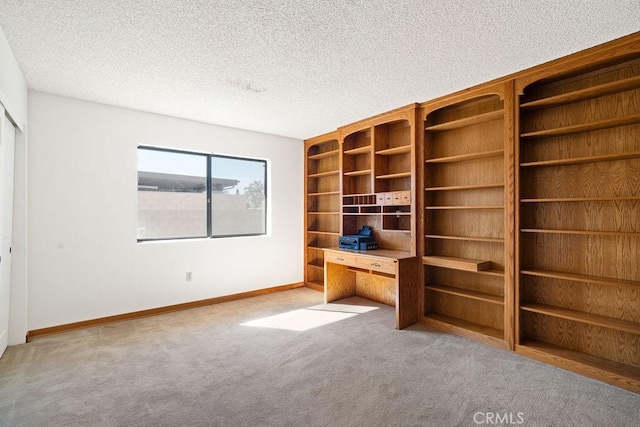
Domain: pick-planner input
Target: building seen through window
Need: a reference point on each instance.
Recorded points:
(174, 189)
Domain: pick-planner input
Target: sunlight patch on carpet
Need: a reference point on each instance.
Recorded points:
(300, 320)
(345, 308)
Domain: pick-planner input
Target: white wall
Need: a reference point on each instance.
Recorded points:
(13, 88)
(13, 96)
(84, 262)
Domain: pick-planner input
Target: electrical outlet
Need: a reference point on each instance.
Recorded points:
(189, 276)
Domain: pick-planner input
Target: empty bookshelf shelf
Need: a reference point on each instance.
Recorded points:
(457, 263)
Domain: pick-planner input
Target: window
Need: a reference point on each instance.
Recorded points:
(241, 209)
(186, 195)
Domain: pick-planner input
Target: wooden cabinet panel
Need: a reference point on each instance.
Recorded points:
(376, 264)
(340, 258)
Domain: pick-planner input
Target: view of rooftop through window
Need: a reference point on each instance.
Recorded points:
(172, 195)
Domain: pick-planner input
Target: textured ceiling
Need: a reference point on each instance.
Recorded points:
(292, 67)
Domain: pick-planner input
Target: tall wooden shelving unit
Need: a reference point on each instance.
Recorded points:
(322, 204)
(361, 174)
(579, 220)
(468, 186)
(523, 205)
(378, 163)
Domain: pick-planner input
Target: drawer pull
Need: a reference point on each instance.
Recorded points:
(340, 259)
(375, 264)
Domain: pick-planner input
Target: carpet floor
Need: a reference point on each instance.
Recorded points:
(286, 359)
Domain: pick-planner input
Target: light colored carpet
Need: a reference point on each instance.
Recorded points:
(206, 367)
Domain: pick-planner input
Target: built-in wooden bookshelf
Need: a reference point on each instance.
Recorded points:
(357, 160)
(361, 174)
(523, 204)
(322, 204)
(378, 185)
(468, 205)
(579, 220)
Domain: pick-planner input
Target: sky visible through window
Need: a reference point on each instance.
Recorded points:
(243, 170)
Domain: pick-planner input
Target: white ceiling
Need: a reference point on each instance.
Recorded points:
(296, 68)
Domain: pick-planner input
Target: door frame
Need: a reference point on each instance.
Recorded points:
(7, 174)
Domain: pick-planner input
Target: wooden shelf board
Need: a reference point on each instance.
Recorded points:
(395, 150)
(615, 373)
(328, 233)
(462, 207)
(464, 157)
(580, 95)
(360, 213)
(315, 285)
(492, 272)
(582, 317)
(467, 329)
(464, 187)
(582, 160)
(324, 155)
(389, 230)
(394, 175)
(480, 296)
(580, 199)
(584, 127)
(325, 193)
(396, 213)
(466, 238)
(467, 121)
(580, 232)
(581, 278)
(358, 173)
(323, 213)
(359, 150)
(317, 266)
(456, 263)
(321, 174)
(315, 248)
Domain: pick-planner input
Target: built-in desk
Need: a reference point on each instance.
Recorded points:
(386, 276)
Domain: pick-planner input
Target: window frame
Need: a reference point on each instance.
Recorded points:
(208, 190)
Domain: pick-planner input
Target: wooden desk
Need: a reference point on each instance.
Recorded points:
(386, 276)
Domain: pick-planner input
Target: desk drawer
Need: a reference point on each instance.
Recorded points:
(385, 266)
(340, 258)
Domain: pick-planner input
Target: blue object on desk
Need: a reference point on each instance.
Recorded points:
(362, 241)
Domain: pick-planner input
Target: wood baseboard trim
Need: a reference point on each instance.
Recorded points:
(457, 330)
(314, 287)
(37, 333)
